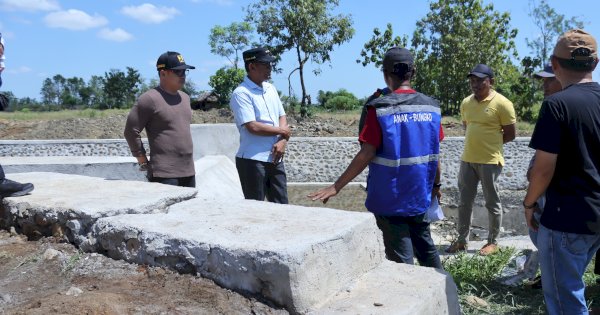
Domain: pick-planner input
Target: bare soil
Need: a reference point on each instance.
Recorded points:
(50, 277)
(111, 127)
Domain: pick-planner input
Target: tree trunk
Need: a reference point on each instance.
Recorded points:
(303, 109)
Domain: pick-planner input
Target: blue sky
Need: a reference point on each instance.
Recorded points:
(85, 38)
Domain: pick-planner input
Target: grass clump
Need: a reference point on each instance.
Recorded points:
(480, 293)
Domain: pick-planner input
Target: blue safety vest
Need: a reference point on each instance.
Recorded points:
(402, 173)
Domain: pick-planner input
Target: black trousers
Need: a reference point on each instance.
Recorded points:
(408, 237)
(262, 179)
(189, 181)
(2, 175)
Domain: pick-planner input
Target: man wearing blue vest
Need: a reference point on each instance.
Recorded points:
(400, 144)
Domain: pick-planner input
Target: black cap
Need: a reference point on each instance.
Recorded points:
(259, 54)
(481, 71)
(172, 60)
(396, 56)
(546, 73)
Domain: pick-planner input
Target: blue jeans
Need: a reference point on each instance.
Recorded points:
(563, 259)
(405, 237)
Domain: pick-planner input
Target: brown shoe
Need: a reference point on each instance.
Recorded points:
(456, 247)
(488, 249)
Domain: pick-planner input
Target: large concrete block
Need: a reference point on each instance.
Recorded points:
(293, 256)
(217, 178)
(68, 205)
(215, 139)
(109, 167)
(398, 289)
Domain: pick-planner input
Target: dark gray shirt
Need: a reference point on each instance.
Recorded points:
(166, 118)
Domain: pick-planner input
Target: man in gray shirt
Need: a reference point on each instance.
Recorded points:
(165, 113)
(9, 188)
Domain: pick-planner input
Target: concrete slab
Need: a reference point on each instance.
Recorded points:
(109, 167)
(215, 139)
(292, 256)
(68, 205)
(399, 289)
(217, 178)
(520, 242)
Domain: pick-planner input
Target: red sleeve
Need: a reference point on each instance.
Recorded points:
(371, 132)
(441, 132)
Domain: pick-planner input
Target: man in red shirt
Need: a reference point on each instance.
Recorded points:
(403, 177)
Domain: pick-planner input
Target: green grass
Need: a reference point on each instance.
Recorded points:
(62, 114)
(70, 264)
(475, 276)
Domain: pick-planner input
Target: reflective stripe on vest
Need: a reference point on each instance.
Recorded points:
(406, 161)
(401, 109)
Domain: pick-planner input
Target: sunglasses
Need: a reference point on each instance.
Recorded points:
(181, 73)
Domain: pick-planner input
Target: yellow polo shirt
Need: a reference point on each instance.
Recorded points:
(483, 138)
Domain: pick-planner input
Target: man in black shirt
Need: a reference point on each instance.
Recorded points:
(567, 165)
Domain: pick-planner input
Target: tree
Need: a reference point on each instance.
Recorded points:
(190, 89)
(95, 88)
(306, 27)
(224, 81)
(133, 80)
(49, 92)
(228, 41)
(120, 89)
(455, 36)
(375, 48)
(340, 99)
(71, 93)
(550, 25)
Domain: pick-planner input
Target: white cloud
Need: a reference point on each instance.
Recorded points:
(19, 70)
(149, 13)
(74, 20)
(29, 5)
(117, 35)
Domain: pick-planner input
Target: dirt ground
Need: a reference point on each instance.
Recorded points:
(50, 277)
(111, 127)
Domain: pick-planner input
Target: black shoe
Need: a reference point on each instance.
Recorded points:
(10, 188)
(536, 283)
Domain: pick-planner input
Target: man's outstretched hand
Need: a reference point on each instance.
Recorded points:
(323, 194)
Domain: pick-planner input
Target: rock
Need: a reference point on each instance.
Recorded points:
(57, 230)
(477, 302)
(5, 299)
(50, 254)
(74, 291)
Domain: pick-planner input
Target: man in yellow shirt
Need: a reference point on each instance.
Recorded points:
(489, 119)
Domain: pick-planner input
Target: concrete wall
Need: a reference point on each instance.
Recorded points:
(307, 160)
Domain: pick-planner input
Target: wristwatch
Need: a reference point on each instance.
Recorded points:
(437, 185)
(143, 166)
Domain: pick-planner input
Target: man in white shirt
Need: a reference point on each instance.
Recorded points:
(264, 132)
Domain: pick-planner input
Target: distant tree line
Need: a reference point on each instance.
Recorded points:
(116, 89)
